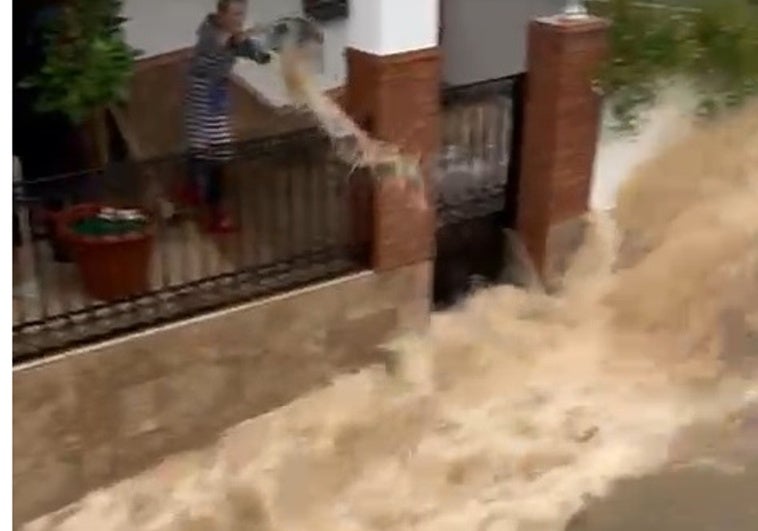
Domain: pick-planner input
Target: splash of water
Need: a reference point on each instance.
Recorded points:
(351, 144)
(514, 409)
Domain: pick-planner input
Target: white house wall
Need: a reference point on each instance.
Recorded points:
(486, 39)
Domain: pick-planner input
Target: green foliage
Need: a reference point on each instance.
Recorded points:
(96, 226)
(711, 43)
(88, 64)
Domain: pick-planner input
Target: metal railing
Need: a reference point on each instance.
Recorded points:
(477, 143)
(301, 216)
(476, 184)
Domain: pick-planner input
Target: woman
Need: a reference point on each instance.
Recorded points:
(221, 40)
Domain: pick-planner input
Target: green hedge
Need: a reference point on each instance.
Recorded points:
(711, 43)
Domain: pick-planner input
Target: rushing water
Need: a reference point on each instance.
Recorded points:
(512, 411)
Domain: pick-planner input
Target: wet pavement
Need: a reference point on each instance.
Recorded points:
(691, 498)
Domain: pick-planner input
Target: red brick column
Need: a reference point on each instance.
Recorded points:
(561, 127)
(397, 99)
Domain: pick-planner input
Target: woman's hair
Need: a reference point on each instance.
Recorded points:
(223, 5)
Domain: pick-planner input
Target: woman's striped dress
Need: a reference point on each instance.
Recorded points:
(206, 115)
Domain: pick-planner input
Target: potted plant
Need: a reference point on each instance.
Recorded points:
(87, 67)
(111, 247)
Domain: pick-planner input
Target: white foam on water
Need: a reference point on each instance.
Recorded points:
(516, 408)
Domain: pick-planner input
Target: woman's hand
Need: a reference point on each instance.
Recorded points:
(239, 37)
(245, 46)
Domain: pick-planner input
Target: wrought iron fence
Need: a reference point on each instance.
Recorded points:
(475, 185)
(477, 138)
(301, 217)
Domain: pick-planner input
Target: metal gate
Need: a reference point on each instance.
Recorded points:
(476, 185)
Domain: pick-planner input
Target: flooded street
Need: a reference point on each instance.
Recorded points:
(627, 400)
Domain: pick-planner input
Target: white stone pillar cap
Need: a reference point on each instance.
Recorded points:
(386, 27)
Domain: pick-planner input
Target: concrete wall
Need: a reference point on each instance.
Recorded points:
(91, 417)
(485, 39)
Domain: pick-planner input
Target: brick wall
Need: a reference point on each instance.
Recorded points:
(92, 417)
(561, 127)
(396, 98)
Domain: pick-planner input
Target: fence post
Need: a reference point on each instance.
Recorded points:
(393, 90)
(561, 127)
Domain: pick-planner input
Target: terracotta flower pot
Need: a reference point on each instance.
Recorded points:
(112, 267)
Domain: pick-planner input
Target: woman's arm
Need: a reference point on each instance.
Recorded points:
(250, 48)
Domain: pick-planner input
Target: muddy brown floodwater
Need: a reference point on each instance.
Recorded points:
(625, 401)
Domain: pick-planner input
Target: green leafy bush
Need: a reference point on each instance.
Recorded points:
(99, 226)
(711, 43)
(88, 64)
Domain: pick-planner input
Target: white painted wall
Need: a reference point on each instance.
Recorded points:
(487, 39)
(619, 155)
(385, 27)
(157, 27)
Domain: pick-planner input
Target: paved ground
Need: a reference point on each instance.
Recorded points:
(687, 499)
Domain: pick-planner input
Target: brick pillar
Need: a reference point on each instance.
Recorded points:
(396, 98)
(561, 127)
